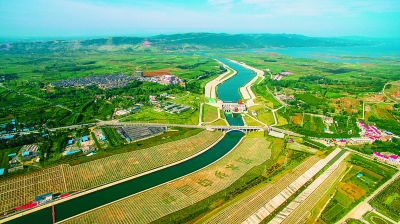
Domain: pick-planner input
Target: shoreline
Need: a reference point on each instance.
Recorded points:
(245, 90)
(210, 87)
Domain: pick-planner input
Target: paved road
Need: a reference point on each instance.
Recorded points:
(363, 207)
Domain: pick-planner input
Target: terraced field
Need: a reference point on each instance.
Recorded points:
(124, 165)
(160, 201)
(22, 189)
(239, 211)
(306, 206)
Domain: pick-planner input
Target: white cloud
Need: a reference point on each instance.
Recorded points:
(224, 5)
(322, 7)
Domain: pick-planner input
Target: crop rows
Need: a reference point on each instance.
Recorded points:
(277, 201)
(158, 202)
(239, 211)
(306, 205)
(128, 164)
(21, 190)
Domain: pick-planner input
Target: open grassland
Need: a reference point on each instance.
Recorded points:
(250, 121)
(263, 114)
(22, 189)
(387, 202)
(300, 147)
(162, 200)
(352, 189)
(152, 116)
(210, 113)
(281, 119)
(313, 123)
(381, 111)
(219, 122)
(264, 96)
(124, 165)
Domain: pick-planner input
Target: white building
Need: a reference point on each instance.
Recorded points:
(234, 107)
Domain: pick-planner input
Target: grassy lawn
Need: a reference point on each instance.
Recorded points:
(210, 113)
(281, 120)
(219, 122)
(152, 116)
(263, 95)
(251, 122)
(263, 114)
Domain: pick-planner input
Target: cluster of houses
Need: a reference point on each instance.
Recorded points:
(102, 81)
(371, 132)
(392, 158)
(280, 76)
(163, 80)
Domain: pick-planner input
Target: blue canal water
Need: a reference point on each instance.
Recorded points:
(234, 119)
(229, 90)
(93, 200)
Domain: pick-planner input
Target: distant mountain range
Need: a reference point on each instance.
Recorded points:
(187, 41)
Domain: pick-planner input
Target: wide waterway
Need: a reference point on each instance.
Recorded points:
(98, 198)
(229, 90)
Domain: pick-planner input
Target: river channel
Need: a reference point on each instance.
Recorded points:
(229, 90)
(98, 198)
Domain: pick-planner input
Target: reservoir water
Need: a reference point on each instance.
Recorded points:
(93, 200)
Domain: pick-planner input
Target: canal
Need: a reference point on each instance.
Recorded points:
(93, 200)
(229, 90)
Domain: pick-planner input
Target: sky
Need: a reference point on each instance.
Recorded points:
(95, 18)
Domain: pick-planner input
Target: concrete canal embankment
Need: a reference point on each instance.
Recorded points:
(100, 197)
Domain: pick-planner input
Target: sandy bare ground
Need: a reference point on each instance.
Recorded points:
(246, 91)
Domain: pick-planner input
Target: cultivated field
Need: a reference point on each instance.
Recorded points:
(168, 198)
(364, 177)
(239, 211)
(22, 189)
(388, 201)
(307, 205)
(373, 218)
(124, 165)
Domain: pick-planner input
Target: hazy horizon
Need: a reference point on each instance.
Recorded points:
(106, 18)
